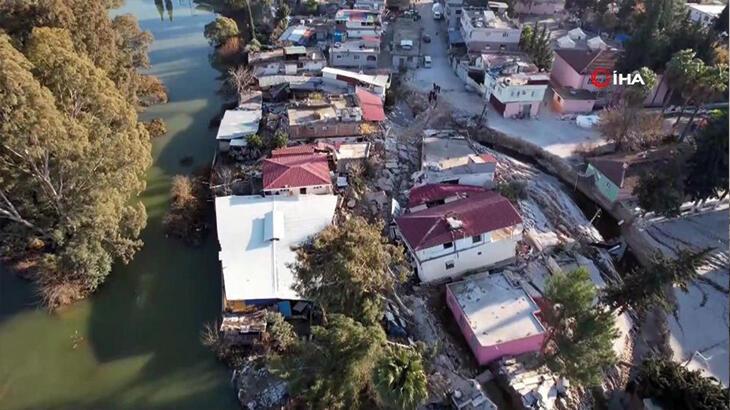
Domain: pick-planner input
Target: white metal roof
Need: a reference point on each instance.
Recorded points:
(712, 9)
(256, 236)
(577, 34)
(497, 310)
(566, 42)
(380, 80)
(238, 124)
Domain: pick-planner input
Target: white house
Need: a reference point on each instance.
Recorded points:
(257, 236)
(477, 231)
(288, 61)
(705, 13)
(512, 84)
(360, 54)
(239, 124)
(483, 30)
(376, 83)
(448, 158)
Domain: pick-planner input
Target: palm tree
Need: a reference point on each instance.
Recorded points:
(399, 379)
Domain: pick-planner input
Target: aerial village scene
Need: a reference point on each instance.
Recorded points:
(376, 204)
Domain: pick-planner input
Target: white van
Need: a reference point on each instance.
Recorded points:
(426, 61)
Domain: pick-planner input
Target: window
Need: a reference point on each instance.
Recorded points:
(476, 238)
(457, 12)
(505, 34)
(371, 58)
(338, 56)
(448, 245)
(532, 94)
(356, 57)
(302, 190)
(449, 265)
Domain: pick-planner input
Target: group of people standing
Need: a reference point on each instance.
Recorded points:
(433, 94)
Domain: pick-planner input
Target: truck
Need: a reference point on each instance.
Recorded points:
(438, 11)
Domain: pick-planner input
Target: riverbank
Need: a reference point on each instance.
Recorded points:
(136, 343)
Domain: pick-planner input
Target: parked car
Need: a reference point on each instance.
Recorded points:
(426, 61)
(426, 38)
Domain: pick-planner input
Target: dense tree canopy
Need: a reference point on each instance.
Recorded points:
(536, 43)
(677, 388)
(707, 175)
(346, 269)
(661, 191)
(334, 369)
(118, 46)
(72, 160)
(659, 29)
(579, 345)
(220, 30)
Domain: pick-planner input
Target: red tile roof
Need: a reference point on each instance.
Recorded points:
(291, 171)
(480, 213)
(585, 61)
(370, 104)
(434, 192)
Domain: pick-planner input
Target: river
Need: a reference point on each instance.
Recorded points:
(135, 343)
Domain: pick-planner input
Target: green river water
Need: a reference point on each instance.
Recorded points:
(135, 343)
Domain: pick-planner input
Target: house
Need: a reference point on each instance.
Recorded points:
(496, 316)
(291, 60)
(512, 84)
(430, 195)
(615, 176)
(376, 83)
(571, 78)
(450, 159)
(540, 7)
(452, 11)
(348, 154)
(258, 236)
(406, 45)
(706, 14)
(291, 174)
(307, 30)
(361, 53)
(375, 5)
(352, 24)
(484, 30)
(470, 233)
(239, 124)
(334, 116)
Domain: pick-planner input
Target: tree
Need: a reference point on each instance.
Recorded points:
(118, 46)
(334, 369)
(72, 161)
(280, 334)
(185, 217)
(579, 344)
(711, 83)
(347, 269)
(536, 43)
(280, 140)
(220, 30)
(661, 191)
(629, 128)
(156, 127)
(644, 289)
(399, 379)
(674, 386)
(707, 166)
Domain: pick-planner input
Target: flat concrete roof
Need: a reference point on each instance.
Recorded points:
(497, 310)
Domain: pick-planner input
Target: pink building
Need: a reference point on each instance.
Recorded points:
(571, 75)
(497, 317)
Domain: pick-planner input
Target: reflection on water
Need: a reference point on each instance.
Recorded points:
(135, 344)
